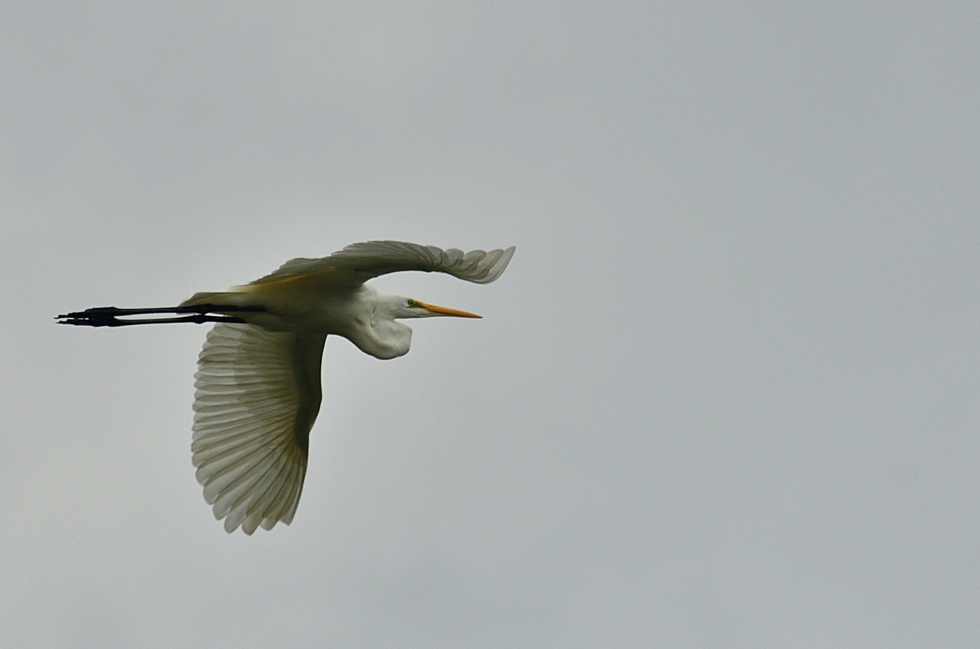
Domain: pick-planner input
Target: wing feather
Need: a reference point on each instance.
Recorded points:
(258, 394)
(359, 262)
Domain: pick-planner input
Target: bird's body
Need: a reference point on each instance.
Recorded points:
(344, 311)
(258, 380)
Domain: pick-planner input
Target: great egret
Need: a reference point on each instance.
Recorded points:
(258, 380)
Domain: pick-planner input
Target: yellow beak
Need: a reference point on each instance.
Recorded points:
(441, 310)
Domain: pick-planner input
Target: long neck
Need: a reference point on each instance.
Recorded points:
(375, 331)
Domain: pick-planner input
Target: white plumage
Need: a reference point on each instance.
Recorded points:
(258, 380)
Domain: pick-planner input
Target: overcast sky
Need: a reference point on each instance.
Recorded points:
(726, 395)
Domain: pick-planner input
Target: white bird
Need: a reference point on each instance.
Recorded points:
(258, 380)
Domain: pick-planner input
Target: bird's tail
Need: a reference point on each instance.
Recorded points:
(204, 298)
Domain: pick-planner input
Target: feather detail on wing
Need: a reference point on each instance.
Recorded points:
(258, 394)
(359, 262)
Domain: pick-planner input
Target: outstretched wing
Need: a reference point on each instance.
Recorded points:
(359, 262)
(258, 394)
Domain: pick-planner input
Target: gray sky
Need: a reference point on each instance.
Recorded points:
(724, 396)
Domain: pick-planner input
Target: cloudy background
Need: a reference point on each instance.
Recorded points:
(725, 395)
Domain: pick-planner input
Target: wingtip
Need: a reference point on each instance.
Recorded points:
(500, 265)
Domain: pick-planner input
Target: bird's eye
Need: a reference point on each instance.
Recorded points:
(412, 303)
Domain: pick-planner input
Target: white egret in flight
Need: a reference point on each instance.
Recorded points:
(258, 380)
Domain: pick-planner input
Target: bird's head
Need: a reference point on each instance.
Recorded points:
(384, 337)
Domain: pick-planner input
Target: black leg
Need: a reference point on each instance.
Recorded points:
(110, 316)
